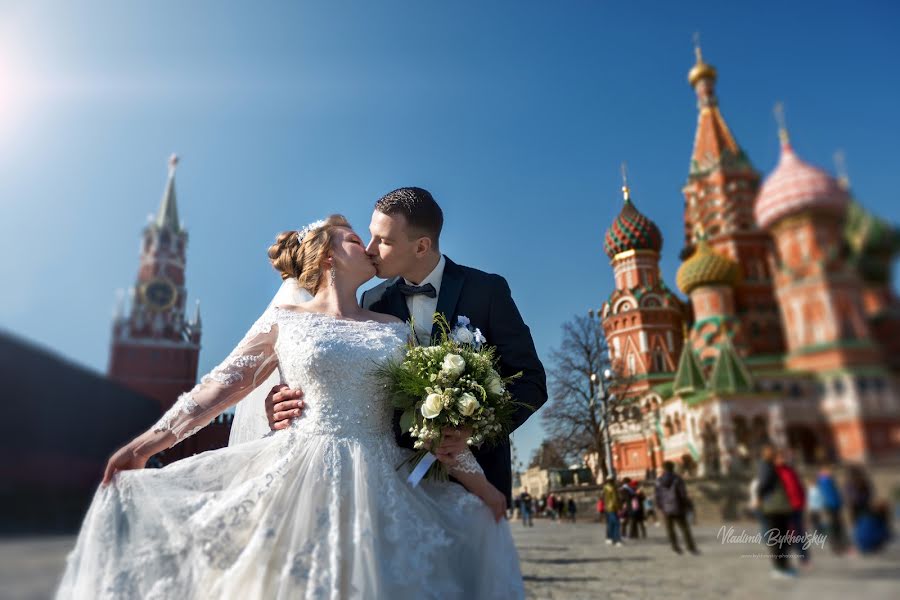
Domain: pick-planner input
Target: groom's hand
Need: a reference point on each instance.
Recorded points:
(453, 441)
(282, 405)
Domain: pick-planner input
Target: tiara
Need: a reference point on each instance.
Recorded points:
(301, 233)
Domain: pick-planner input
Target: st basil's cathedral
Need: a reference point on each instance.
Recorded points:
(791, 329)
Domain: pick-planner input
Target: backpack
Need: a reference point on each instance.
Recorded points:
(777, 501)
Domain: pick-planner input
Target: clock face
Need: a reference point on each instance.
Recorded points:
(159, 294)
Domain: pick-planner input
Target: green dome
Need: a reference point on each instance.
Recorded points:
(706, 267)
(873, 243)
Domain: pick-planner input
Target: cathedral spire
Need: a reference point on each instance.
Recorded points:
(626, 191)
(701, 71)
(167, 218)
(840, 167)
(714, 145)
(782, 127)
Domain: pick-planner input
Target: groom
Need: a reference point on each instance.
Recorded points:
(406, 227)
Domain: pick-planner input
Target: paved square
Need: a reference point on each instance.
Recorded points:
(571, 561)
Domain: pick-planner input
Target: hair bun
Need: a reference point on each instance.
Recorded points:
(283, 254)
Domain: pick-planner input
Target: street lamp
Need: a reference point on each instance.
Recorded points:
(602, 394)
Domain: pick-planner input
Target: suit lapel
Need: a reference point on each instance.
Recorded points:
(451, 287)
(394, 303)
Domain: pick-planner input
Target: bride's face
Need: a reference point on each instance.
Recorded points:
(349, 255)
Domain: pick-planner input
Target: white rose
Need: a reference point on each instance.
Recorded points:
(494, 384)
(467, 404)
(463, 335)
(454, 365)
(432, 406)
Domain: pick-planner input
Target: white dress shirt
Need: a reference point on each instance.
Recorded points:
(421, 307)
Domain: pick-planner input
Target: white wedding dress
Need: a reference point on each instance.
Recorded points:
(318, 510)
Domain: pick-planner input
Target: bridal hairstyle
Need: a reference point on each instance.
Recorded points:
(303, 260)
(423, 215)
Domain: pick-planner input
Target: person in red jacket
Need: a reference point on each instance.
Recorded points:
(796, 494)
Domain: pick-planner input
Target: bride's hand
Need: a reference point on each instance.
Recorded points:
(125, 459)
(495, 499)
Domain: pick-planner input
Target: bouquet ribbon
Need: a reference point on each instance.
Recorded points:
(421, 468)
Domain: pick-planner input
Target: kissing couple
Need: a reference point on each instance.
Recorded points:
(307, 501)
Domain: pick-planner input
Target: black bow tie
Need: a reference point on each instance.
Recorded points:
(415, 290)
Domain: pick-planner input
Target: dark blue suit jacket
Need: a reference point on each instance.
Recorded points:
(486, 300)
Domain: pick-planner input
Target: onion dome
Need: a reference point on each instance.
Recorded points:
(631, 231)
(700, 70)
(873, 243)
(796, 186)
(706, 267)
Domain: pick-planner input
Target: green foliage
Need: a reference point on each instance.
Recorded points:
(436, 392)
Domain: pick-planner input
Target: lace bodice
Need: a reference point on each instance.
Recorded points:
(329, 358)
(332, 361)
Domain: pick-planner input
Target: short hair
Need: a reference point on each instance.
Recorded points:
(668, 466)
(419, 207)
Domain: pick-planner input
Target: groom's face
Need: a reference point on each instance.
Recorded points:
(391, 248)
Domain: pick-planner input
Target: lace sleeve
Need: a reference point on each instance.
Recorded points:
(466, 463)
(250, 363)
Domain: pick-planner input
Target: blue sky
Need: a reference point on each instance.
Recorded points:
(516, 115)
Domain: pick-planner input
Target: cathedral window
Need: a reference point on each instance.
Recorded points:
(659, 361)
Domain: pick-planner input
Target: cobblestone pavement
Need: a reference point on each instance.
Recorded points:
(571, 561)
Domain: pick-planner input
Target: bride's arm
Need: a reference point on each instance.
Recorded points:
(250, 363)
(466, 470)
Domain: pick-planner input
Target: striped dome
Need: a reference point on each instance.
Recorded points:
(631, 231)
(796, 186)
(706, 267)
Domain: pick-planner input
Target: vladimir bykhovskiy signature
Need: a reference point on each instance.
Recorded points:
(772, 537)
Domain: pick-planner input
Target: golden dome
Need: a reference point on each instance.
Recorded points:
(701, 70)
(706, 267)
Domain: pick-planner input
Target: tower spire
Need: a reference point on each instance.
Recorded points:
(197, 322)
(626, 191)
(167, 217)
(782, 125)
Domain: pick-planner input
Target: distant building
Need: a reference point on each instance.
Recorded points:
(791, 330)
(540, 481)
(155, 347)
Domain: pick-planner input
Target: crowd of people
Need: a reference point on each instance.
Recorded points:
(794, 509)
(625, 508)
(551, 506)
(794, 515)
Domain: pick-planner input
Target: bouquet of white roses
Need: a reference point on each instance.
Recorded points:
(452, 383)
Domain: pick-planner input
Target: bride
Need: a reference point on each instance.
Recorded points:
(318, 510)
